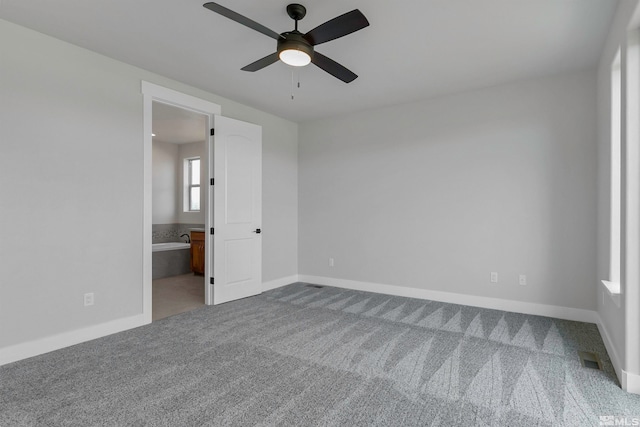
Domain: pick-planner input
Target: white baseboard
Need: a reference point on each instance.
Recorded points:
(558, 312)
(630, 382)
(278, 283)
(55, 342)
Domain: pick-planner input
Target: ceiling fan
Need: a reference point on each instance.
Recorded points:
(297, 49)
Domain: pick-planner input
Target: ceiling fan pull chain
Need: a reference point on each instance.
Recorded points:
(292, 84)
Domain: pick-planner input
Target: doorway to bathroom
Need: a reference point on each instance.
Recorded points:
(171, 110)
(179, 170)
(232, 206)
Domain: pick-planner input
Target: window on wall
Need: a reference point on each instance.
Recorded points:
(616, 125)
(192, 199)
(613, 283)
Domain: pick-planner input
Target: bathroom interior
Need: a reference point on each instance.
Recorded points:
(178, 170)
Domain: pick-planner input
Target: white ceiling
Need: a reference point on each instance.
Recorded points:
(413, 49)
(176, 125)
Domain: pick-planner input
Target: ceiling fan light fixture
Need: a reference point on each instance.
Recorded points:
(294, 50)
(295, 58)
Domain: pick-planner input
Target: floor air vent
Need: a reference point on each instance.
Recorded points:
(590, 360)
(315, 286)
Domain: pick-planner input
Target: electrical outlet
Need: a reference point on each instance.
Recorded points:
(331, 262)
(88, 299)
(522, 280)
(494, 277)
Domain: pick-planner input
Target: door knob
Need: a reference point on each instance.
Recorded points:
(257, 231)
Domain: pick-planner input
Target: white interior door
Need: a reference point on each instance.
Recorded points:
(237, 210)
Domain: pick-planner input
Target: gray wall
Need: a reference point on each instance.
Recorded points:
(71, 162)
(437, 194)
(166, 182)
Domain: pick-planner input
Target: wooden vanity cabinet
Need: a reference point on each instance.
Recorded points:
(197, 252)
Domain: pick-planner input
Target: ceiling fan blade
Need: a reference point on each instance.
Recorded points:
(261, 63)
(333, 68)
(235, 16)
(337, 27)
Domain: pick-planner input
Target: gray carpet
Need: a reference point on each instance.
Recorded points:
(305, 356)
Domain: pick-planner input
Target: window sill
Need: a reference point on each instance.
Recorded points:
(613, 289)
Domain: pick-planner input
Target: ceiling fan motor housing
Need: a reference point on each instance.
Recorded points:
(294, 40)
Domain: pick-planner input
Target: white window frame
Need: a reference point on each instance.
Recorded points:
(188, 183)
(612, 285)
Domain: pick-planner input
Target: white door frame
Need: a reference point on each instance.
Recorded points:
(152, 92)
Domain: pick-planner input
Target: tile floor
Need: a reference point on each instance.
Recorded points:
(177, 294)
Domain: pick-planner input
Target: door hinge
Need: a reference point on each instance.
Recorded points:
(211, 280)
(213, 131)
(211, 181)
(211, 230)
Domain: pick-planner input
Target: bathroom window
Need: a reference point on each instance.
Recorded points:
(193, 184)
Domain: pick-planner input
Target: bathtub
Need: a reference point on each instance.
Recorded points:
(170, 259)
(169, 246)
